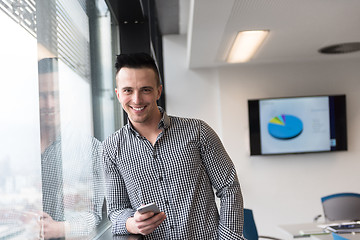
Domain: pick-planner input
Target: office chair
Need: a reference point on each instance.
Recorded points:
(338, 237)
(250, 230)
(341, 206)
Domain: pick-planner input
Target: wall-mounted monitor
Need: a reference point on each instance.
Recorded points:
(297, 125)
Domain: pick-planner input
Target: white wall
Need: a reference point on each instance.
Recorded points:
(190, 93)
(280, 189)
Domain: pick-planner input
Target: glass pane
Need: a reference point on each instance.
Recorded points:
(72, 176)
(51, 177)
(20, 168)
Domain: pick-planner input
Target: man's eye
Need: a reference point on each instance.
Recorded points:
(147, 90)
(127, 91)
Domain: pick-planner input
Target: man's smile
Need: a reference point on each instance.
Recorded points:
(138, 108)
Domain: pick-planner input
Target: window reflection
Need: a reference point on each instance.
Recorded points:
(51, 160)
(72, 175)
(51, 177)
(20, 173)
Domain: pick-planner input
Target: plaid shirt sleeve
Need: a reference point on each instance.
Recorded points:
(118, 203)
(222, 174)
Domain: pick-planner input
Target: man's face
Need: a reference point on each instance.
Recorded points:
(49, 101)
(138, 92)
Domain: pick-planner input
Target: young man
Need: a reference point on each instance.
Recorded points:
(174, 162)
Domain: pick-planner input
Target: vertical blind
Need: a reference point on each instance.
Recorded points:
(69, 28)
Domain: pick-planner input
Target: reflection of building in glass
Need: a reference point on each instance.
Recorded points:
(5, 174)
(19, 202)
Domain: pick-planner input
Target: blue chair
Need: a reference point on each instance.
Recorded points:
(250, 231)
(341, 206)
(338, 237)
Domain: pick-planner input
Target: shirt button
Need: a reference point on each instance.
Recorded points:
(161, 178)
(154, 156)
(166, 202)
(172, 227)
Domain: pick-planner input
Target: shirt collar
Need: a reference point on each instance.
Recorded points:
(163, 124)
(165, 120)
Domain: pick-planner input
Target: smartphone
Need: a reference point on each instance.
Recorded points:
(151, 207)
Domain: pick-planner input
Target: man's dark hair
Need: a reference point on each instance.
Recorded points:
(48, 65)
(137, 60)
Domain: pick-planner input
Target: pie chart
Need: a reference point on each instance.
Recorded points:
(285, 127)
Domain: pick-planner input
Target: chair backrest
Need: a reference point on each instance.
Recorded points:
(338, 237)
(250, 230)
(341, 206)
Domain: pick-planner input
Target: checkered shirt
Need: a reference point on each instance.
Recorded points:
(179, 173)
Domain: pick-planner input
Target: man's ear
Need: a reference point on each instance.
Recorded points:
(117, 94)
(159, 92)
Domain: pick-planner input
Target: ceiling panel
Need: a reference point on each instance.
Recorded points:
(298, 29)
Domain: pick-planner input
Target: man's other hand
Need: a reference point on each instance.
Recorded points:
(52, 228)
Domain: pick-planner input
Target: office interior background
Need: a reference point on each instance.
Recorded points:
(191, 46)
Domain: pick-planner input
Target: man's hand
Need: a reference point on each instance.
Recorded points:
(52, 228)
(145, 223)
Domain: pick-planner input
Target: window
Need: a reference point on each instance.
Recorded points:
(55, 89)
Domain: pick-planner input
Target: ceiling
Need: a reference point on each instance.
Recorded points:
(298, 29)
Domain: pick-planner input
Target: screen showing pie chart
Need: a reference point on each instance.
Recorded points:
(285, 127)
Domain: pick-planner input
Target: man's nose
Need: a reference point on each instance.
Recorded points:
(136, 97)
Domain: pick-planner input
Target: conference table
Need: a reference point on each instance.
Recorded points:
(304, 231)
(315, 231)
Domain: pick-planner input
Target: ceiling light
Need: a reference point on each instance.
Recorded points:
(245, 45)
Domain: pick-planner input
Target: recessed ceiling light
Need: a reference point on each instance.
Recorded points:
(245, 45)
(341, 48)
